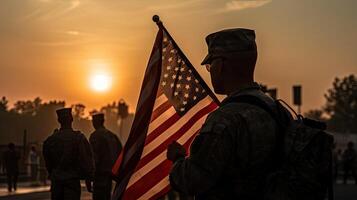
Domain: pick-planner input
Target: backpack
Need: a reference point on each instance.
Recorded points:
(302, 157)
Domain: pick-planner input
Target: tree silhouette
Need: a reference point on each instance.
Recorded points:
(78, 110)
(3, 104)
(27, 107)
(341, 104)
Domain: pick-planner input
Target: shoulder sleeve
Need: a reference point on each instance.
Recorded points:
(211, 152)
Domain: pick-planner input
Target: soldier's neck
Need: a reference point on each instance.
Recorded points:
(99, 127)
(66, 126)
(232, 87)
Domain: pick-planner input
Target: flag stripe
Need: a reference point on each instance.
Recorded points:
(179, 121)
(160, 100)
(162, 128)
(160, 109)
(162, 118)
(150, 180)
(164, 183)
(159, 194)
(173, 134)
(153, 178)
(144, 168)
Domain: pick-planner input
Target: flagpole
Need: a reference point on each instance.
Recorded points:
(159, 23)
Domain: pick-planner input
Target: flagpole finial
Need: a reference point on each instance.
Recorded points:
(156, 19)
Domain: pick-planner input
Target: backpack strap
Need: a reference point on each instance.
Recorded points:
(275, 113)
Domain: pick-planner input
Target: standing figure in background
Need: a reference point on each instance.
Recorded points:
(349, 162)
(68, 159)
(106, 148)
(34, 161)
(11, 162)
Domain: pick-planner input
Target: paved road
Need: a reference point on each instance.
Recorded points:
(41, 196)
(342, 192)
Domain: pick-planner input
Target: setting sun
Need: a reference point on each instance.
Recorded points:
(100, 82)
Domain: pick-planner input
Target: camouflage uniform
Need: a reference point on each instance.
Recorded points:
(232, 154)
(106, 148)
(68, 159)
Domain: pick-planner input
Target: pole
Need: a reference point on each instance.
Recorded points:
(24, 142)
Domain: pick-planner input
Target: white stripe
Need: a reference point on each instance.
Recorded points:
(175, 127)
(161, 157)
(160, 100)
(156, 189)
(161, 119)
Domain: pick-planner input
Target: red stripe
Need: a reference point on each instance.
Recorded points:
(161, 109)
(162, 127)
(163, 146)
(160, 91)
(148, 181)
(151, 178)
(117, 164)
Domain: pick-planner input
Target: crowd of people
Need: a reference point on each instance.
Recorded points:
(345, 161)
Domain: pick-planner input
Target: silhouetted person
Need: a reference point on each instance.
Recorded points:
(336, 162)
(34, 161)
(349, 162)
(11, 161)
(231, 156)
(106, 148)
(68, 158)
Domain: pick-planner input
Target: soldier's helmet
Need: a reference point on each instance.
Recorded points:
(229, 41)
(64, 114)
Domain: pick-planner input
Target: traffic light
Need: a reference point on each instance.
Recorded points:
(297, 95)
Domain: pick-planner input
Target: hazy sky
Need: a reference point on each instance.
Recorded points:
(51, 48)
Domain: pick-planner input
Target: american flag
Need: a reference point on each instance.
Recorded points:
(173, 104)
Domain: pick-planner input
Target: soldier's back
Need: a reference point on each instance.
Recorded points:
(106, 147)
(61, 154)
(254, 134)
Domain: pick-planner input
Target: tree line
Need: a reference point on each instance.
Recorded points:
(39, 119)
(340, 107)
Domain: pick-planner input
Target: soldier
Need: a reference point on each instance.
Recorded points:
(11, 162)
(106, 148)
(232, 155)
(68, 158)
(349, 162)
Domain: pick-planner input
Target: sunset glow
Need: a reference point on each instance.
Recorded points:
(100, 82)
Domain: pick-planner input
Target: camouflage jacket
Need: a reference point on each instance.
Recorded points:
(106, 148)
(68, 155)
(232, 155)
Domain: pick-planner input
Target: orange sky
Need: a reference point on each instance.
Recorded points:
(51, 48)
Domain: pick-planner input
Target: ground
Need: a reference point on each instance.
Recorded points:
(342, 192)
